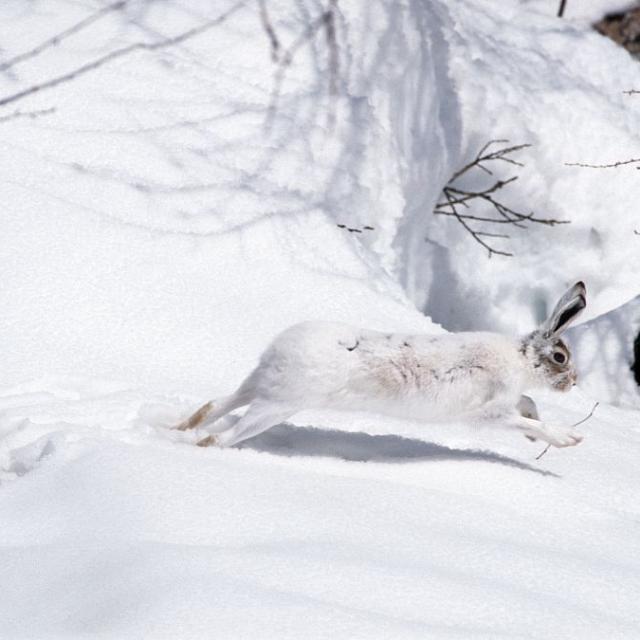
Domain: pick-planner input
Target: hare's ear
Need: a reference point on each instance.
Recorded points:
(566, 311)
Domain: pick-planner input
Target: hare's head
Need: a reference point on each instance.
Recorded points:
(547, 355)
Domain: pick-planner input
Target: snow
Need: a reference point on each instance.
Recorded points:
(440, 532)
(162, 225)
(604, 353)
(549, 83)
(159, 191)
(128, 209)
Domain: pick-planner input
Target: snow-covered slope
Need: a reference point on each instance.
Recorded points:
(380, 529)
(604, 352)
(163, 223)
(162, 170)
(153, 224)
(532, 78)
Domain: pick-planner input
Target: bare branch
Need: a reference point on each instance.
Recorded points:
(456, 197)
(27, 114)
(119, 53)
(477, 237)
(63, 35)
(500, 154)
(487, 234)
(603, 166)
(480, 218)
(631, 92)
(595, 406)
(478, 194)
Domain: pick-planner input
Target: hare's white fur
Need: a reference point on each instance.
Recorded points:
(475, 376)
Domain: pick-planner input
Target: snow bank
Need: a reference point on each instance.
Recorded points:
(157, 233)
(532, 78)
(603, 351)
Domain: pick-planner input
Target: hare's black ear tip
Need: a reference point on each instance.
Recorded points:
(580, 285)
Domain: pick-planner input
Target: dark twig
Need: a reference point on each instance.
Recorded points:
(488, 234)
(355, 229)
(561, 8)
(474, 234)
(595, 406)
(63, 35)
(27, 114)
(603, 166)
(631, 92)
(119, 53)
(499, 154)
(456, 197)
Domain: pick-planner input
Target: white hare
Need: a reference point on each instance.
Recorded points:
(474, 376)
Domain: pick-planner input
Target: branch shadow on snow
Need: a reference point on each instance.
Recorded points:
(285, 440)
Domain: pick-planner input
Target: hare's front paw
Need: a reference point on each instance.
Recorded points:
(563, 437)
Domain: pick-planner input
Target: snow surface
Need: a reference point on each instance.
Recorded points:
(350, 528)
(162, 225)
(604, 353)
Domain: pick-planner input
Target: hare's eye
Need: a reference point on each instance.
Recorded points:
(559, 357)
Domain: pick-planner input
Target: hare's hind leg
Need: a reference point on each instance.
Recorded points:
(215, 409)
(198, 417)
(259, 417)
